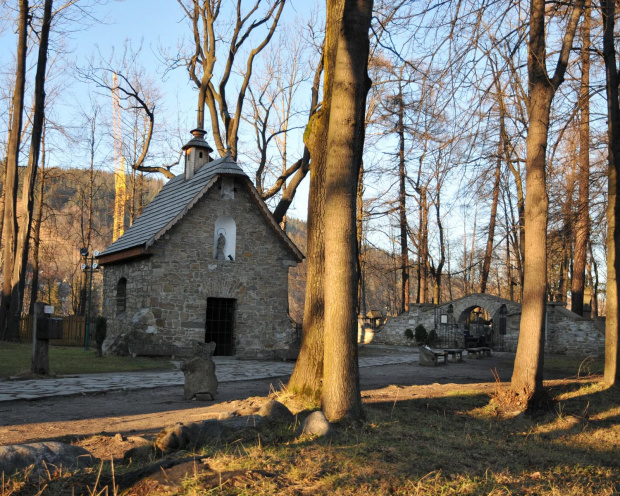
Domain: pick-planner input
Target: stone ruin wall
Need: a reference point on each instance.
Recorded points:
(567, 334)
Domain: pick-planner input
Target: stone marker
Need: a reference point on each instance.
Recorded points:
(316, 424)
(427, 357)
(44, 456)
(199, 372)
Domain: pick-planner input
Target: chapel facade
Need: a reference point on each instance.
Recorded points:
(206, 261)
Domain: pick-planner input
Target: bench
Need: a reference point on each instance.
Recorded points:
(455, 353)
(440, 354)
(480, 352)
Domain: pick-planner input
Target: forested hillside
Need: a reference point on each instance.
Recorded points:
(76, 211)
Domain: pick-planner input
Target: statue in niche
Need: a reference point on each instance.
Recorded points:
(221, 243)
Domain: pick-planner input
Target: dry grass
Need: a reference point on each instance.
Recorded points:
(454, 443)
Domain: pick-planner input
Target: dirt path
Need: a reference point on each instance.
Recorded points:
(145, 412)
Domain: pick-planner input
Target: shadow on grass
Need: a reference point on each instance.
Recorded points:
(455, 442)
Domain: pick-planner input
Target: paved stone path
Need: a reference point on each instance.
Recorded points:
(227, 369)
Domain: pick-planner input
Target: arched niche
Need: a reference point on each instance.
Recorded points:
(225, 227)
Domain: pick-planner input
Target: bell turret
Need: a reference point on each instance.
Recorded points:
(197, 152)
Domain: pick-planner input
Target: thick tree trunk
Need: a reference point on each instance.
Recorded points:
(612, 350)
(527, 377)
(307, 375)
(9, 233)
(341, 391)
(308, 372)
(582, 221)
(21, 256)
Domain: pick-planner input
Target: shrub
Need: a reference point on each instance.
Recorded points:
(408, 333)
(432, 337)
(420, 334)
(101, 330)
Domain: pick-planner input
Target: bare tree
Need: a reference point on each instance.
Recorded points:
(23, 240)
(612, 348)
(272, 114)
(582, 222)
(345, 144)
(200, 60)
(527, 377)
(138, 96)
(9, 232)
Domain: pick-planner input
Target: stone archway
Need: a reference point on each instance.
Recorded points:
(476, 319)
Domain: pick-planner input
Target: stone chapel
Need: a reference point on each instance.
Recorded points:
(206, 261)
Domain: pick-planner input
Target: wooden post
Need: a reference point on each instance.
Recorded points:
(40, 347)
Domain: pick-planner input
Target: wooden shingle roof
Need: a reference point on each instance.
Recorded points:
(174, 200)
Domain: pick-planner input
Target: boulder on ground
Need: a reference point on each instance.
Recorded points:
(45, 456)
(427, 357)
(184, 436)
(316, 424)
(275, 411)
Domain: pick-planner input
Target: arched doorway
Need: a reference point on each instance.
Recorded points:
(476, 324)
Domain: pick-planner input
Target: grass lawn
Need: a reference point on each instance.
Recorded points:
(15, 360)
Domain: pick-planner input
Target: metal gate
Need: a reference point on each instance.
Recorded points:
(220, 325)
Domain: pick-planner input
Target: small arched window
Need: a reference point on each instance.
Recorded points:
(121, 295)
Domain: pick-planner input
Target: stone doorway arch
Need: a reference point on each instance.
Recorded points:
(477, 320)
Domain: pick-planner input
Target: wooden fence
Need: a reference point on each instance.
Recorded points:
(72, 330)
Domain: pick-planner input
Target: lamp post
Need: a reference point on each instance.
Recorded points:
(88, 266)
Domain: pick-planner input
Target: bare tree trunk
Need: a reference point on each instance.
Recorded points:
(527, 377)
(36, 231)
(519, 241)
(470, 268)
(402, 206)
(89, 212)
(565, 238)
(612, 350)
(21, 256)
(437, 271)
(345, 143)
(593, 283)
(582, 221)
(486, 266)
(423, 247)
(9, 233)
(361, 292)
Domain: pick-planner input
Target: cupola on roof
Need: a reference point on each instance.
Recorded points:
(198, 140)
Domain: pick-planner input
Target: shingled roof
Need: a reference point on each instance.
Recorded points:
(174, 200)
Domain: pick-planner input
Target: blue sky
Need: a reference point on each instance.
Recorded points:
(154, 24)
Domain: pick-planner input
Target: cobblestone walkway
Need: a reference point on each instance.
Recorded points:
(227, 369)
